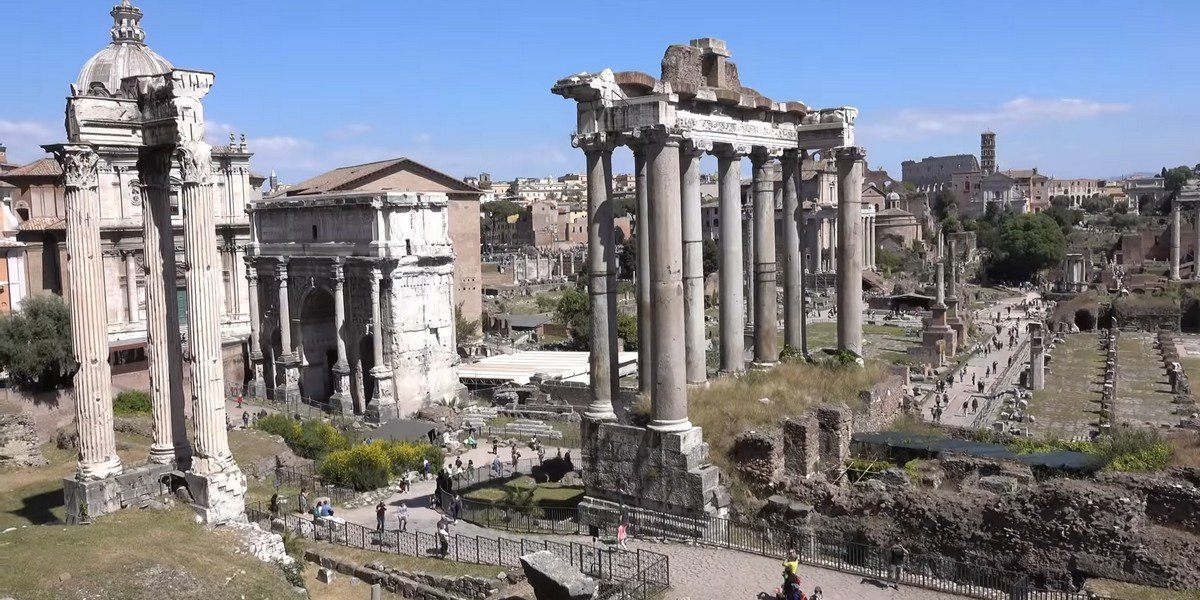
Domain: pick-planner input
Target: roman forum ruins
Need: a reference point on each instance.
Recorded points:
(698, 106)
(152, 125)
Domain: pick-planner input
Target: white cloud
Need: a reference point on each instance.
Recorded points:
(24, 139)
(350, 130)
(915, 123)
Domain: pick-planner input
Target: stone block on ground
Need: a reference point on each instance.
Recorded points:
(553, 578)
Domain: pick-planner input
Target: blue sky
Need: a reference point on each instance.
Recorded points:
(1077, 88)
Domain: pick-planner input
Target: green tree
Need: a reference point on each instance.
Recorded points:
(627, 257)
(712, 257)
(1096, 204)
(465, 331)
(1027, 244)
(35, 344)
(491, 215)
(888, 261)
(1175, 178)
(951, 224)
(1066, 218)
(627, 330)
(624, 206)
(574, 311)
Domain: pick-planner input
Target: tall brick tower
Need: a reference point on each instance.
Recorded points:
(987, 152)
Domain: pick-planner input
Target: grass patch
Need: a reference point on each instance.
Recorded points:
(1062, 408)
(1120, 589)
(251, 446)
(132, 402)
(406, 563)
(163, 554)
(1128, 449)
(570, 431)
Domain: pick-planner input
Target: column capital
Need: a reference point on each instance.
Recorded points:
(338, 272)
(761, 154)
(693, 148)
(195, 163)
(849, 153)
(792, 154)
(154, 166)
(734, 151)
(661, 134)
(594, 142)
(80, 165)
(281, 273)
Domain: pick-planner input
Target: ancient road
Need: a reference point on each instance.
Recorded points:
(962, 390)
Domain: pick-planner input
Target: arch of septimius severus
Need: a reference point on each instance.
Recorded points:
(698, 106)
(156, 118)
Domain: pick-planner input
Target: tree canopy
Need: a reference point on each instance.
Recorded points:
(35, 344)
(1027, 244)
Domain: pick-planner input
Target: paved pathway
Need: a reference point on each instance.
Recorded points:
(963, 390)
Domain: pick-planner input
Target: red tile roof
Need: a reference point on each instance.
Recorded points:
(43, 224)
(342, 179)
(45, 167)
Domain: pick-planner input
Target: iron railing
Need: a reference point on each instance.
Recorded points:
(638, 574)
(303, 477)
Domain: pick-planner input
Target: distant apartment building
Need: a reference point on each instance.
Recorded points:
(551, 225)
(937, 172)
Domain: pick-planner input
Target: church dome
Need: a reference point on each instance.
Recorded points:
(127, 56)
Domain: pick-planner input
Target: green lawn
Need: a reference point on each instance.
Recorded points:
(1068, 404)
(134, 554)
(544, 494)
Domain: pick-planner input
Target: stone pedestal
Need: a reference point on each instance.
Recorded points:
(86, 500)
(218, 497)
(382, 407)
(641, 468)
(257, 387)
(341, 399)
(954, 321)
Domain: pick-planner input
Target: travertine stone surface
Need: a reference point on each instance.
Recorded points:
(669, 399)
(644, 308)
(89, 323)
(732, 307)
(850, 260)
(257, 386)
(602, 264)
(341, 369)
(164, 352)
(766, 305)
(793, 267)
(693, 262)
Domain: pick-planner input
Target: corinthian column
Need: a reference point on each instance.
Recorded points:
(602, 264)
(693, 261)
(257, 382)
(669, 400)
(203, 276)
(164, 354)
(1174, 270)
(288, 359)
(849, 161)
(732, 307)
(645, 329)
(89, 319)
(341, 369)
(383, 398)
(766, 310)
(793, 269)
(131, 295)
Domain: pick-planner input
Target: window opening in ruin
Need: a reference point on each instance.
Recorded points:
(314, 230)
(408, 246)
(23, 213)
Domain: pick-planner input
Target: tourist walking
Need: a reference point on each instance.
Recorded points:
(896, 564)
(443, 535)
(456, 507)
(974, 405)
(497, 468)
(245, 419)
(432, 435)
(470, 470)
(274, 506)
(964, 407)
(791, 565)
(622, 535)
(380, 513)
(302, 500)
(402, 516)
(541, 455)
(425, 468)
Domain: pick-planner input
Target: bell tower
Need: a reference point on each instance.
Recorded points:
(987, 152)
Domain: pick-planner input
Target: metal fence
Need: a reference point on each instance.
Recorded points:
(962, 577)
(304, 477)
(632, 574)
(277, 399)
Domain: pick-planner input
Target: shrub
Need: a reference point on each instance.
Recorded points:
(314, 439)
(132, 402)
(406, 456)
(279, 425)
(363, 467)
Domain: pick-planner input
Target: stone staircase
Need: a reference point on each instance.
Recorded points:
(478, 416)
(526, 428)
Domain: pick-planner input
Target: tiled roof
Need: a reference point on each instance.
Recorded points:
(344, 178)
(45, 167)
(43, 223)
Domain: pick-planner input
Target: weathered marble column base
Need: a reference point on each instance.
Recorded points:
(257, 386)
(86, 500)
(341, 400)
(162, 455)
(382, 407)
(218, 497)
(666, 472)
(291, 377)
(763, 366)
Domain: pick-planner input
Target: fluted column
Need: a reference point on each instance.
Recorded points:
(793, 266)
(849, 161)
(383, 398)
(1174, 270)
(602, 284)
(203, 276)
(766, 307)
(341, 369)
(257, 382)
(748, 256)
(693, 261)
(732, 309)
(289, 362)
(89, 319)
(645, 329)
(669, 398)
(164, 349)
(131, 295)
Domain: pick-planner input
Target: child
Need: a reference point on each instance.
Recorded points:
(622, 535)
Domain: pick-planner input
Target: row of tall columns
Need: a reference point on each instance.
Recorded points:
(793, 266)
(693, 263)
(766, 351)
(523, 271)
(602, 259)
(849, 161)
(203, 276)
(669, 393)
(868, 233)
(732, 314)
(645, 326)
(1174, 269)
(164, 354)
(89, 321)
